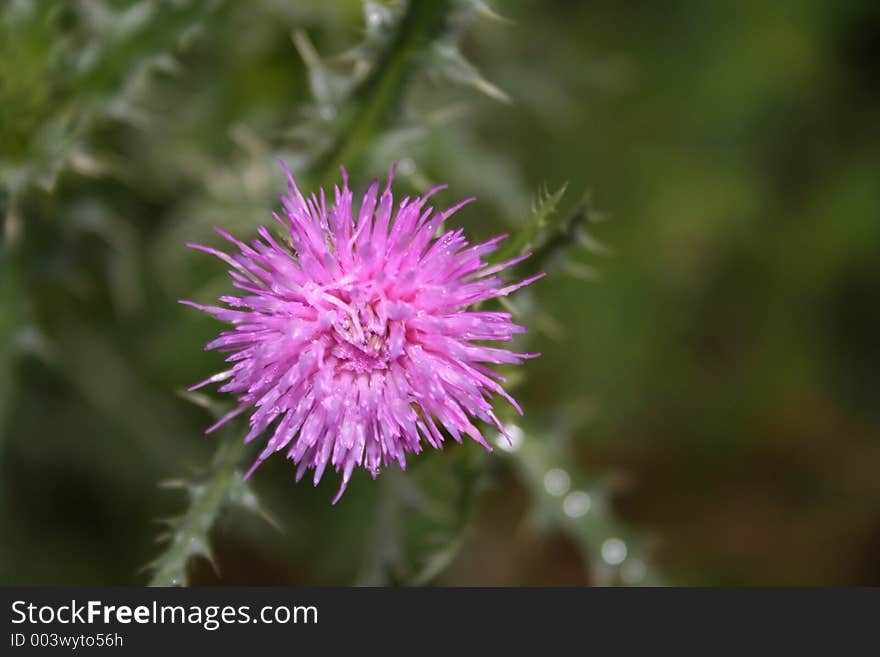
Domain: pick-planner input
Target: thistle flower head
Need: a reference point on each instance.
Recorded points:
(351, 337)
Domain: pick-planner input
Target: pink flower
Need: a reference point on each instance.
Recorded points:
(351, 334)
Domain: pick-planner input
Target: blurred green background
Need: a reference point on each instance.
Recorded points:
(710, 366)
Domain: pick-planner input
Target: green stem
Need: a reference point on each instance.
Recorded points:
(566, 234)
(584, 513)
(383, 546)
(469, 467)
(189, 534)
(371, 102)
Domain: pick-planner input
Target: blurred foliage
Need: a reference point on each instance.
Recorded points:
(705, 409)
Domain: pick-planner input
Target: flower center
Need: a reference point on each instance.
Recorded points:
(361, 338)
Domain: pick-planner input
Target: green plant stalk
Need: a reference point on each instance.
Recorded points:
(371, 102)
(383, 547)
(533, 460)
(471, 464)
(189, 534)
(544, 221)
(385, 553)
